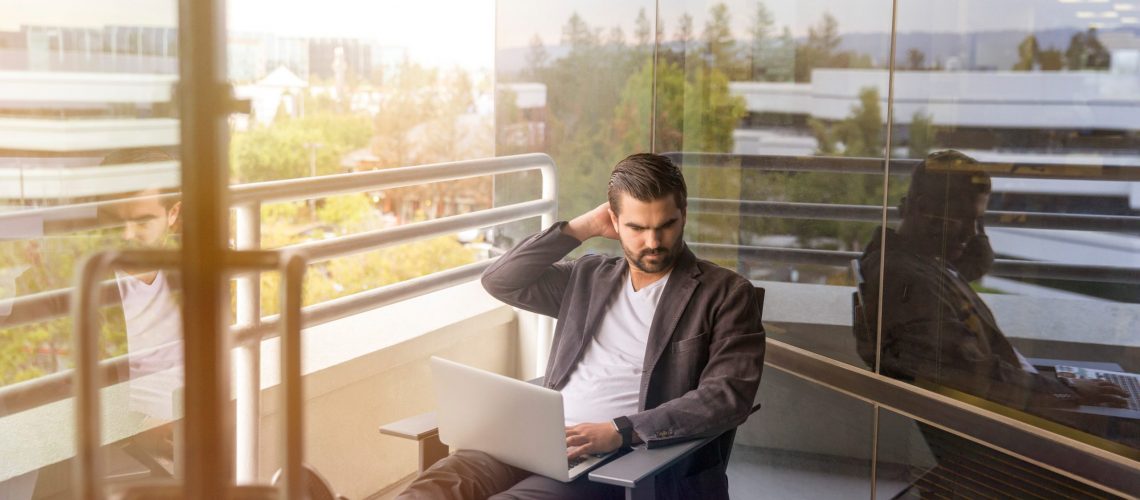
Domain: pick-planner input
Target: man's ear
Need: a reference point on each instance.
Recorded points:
(613, 217)
(174, 214)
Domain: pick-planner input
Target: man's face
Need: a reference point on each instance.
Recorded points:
(946, 228)
(146, 223)
(650, 232)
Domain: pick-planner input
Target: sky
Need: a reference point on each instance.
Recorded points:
(517, 23)
(465, 33)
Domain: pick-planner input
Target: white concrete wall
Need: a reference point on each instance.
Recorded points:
(1010, 99)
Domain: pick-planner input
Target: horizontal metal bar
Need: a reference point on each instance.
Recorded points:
(872, 213)
(328, 185)
(837, 258)
(322, 250)
(758, 254)
(1063, 454)
(875, 166)
(58, 386)
(356, 303)
(78, 216)
(57, 303)
(86, 216)
(1070, 272)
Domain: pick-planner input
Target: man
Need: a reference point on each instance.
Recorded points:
(936, 328)
(150, 219)
(655, 347)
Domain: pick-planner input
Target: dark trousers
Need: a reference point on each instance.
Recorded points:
(474, 475)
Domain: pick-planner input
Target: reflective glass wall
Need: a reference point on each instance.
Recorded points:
(1002, 275)
(89, 163)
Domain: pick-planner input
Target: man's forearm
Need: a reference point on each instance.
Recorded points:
(577, 230)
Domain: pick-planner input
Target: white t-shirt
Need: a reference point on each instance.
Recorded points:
(606, 381)
(154, 343)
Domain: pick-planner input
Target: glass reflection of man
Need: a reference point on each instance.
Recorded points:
(150, 219)
(936, 327)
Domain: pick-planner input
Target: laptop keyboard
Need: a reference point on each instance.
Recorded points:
(1128, 383)
(574, 462)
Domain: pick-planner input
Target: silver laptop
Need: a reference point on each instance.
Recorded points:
(1130, 382)
(518, 423)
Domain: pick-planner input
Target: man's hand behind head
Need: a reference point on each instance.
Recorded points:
(596, 222)
(1099, 393)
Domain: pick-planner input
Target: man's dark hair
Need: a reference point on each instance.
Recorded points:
(647, 177)
(946, 174)
(143, 155)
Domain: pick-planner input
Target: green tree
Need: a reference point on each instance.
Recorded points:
(821, 50)
(915, 59)
(861, 133)
(1051, 59)
(719, 46)
(761, 33)
(684, 34)
(411, 99)
(1027, 54)
(858, 135)
(922, 135)
(642, 31)
(1085, 51)
(536, 57)
(278, 151)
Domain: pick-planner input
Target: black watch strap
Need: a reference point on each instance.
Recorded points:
(625, 429)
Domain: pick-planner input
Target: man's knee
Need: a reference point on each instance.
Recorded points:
(464, 475)
(538, 487)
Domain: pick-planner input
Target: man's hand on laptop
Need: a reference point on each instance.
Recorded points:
(585, 439)
(1099, 392)
(596, 222)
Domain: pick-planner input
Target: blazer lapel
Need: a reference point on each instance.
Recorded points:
(600, 294)
(673, 302)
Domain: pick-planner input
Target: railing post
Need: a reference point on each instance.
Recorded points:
(546, 323)
(292, 267)
(247, 359)
(88, 413)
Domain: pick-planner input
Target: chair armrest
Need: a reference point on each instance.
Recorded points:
(417, 427)
(424, 429)
(630, 469)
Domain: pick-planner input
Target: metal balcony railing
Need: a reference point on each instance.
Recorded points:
(246, 200)
(873, 214)
(251, 327)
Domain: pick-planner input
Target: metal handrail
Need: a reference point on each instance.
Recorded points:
(874, 213)
(56, 303)
(876, 166)
(86, 375)
(840, 258)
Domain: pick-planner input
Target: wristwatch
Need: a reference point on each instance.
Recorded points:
(624, 428)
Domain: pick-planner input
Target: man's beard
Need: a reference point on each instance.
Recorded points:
(668, 258)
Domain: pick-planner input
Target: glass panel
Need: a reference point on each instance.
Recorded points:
(918, 460)
(88, 163)
(786, 101)
(806, 441)
(1012, 271)
(347, 88)
(385, 92)
(575, 83)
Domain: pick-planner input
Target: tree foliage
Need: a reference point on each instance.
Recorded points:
(280, 151)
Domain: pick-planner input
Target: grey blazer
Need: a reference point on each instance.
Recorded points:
(705, 352)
